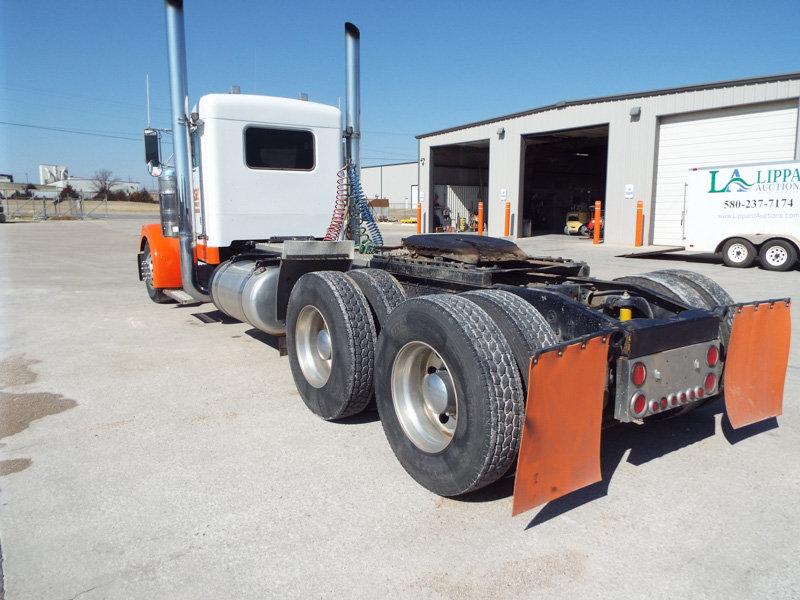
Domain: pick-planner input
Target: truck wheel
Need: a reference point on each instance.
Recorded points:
(448, 393)
(383, 292)
(738, 252)
(777, 255)
(567, 231)
(584, 231)
(330, 338)
(524, 327)
(156, 295)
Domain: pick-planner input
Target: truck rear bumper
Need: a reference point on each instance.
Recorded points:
(560, 447)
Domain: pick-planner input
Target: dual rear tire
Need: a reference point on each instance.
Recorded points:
(448, 372)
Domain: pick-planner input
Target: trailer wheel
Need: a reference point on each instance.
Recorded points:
(156, 295)
(777, 255)
(448, 393)
(330, 338)
(526, 330)
(739, 253)
(383, 292)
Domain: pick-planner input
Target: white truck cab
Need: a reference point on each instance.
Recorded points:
(266, 167)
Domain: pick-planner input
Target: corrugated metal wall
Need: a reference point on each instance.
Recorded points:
(631, 148)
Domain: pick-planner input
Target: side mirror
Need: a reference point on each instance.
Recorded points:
(152, 147)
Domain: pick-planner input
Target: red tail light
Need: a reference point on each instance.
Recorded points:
(710, 383)
(673, 400)
(683, 397)
(638, 374)
(639, 404)
(691, 395)
(712, 356)
(654, 406)
(699, 391)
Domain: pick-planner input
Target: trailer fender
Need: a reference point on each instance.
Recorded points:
(165, 254)
(756, 361)
(560, 447)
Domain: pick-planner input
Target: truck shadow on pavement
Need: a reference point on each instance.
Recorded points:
(649, 442)
(645, 443)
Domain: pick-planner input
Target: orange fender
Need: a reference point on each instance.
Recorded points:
(166, 256)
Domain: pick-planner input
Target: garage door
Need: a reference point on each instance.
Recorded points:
(709, 139)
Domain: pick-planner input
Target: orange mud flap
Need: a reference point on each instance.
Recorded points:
(756, 360)
(560, 448)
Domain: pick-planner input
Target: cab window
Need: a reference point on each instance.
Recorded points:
(279, 149)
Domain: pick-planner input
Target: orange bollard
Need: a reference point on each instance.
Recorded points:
(597, 218)
(419, 217)
(639, 222)
(507, 230)
(480, 218)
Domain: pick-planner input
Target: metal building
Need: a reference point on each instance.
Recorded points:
(395, 182)
(617, 149)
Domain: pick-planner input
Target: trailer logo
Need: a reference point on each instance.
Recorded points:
(767, 180)
(735, 180)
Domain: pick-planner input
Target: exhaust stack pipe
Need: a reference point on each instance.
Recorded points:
(352, 77)
(179, 101)
(352, 129)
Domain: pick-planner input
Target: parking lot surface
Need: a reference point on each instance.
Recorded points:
(149, 454)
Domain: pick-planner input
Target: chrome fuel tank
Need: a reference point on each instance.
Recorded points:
(248, 294)
(227, 286)
(259, 301)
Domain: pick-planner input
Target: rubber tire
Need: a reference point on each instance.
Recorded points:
(488, 389)
(567, 231)
(747, 262)
(348, 390)
(584, 231)
(691, 288)
(155, 294)
(524, 327)
(791, 251)
(383, 292)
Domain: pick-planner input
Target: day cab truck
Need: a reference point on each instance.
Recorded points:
(467, 346)
(745, 213)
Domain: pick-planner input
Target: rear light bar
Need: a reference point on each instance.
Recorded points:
(666, 380)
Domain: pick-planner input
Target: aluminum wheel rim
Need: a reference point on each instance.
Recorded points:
(422, 386)
(148, 274)
(737, 253)
(776, 256)
(313, 346)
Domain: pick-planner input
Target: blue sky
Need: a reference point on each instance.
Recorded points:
(81, 65)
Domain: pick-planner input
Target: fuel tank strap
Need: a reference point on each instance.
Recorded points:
(560, 447)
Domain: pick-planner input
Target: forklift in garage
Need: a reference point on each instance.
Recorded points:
(464, 343)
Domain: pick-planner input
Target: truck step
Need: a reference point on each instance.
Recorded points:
(180, 297)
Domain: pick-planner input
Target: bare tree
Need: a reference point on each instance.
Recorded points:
(103, 180)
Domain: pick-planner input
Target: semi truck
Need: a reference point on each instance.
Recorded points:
(467, 346)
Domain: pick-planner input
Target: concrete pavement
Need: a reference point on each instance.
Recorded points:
(148, 454)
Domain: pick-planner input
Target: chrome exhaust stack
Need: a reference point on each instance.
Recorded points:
(352, 77)
(352, 129)
(179, 102)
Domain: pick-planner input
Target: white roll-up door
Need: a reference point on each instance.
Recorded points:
(753, 134)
